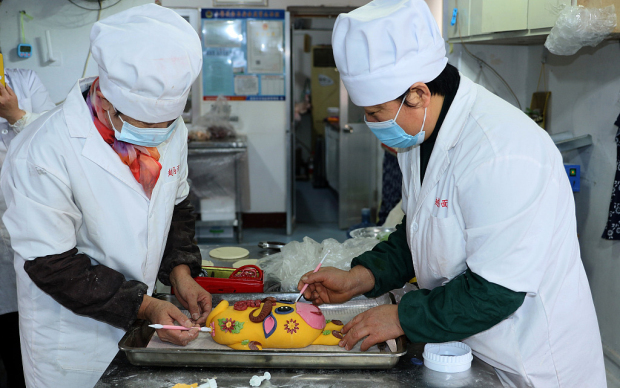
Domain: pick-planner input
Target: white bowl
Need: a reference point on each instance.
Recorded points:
(448, 357)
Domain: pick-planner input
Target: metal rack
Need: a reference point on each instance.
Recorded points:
(214, 148)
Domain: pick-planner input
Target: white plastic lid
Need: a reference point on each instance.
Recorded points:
(448, 357)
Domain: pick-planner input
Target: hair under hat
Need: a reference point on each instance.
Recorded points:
(384, 47)
(148, 58)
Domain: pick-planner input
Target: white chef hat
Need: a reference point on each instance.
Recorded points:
(148, 58)
(384, 47)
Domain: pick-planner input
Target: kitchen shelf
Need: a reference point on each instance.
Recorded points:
(220, 151)
(200, 223)
(572, 143)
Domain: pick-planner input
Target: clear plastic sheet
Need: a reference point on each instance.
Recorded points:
(213, 184)
(578, 26)
(296, 258)
(215, 124)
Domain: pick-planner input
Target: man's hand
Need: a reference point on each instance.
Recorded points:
(193, 297)
(377, 324)
(165, 313)
(332, 285)
(9, 107)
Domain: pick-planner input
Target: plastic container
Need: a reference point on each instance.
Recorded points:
(448, 357)
(222, 280)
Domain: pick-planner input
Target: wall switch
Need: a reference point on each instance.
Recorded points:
(574, 176)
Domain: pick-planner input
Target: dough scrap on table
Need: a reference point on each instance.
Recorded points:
(211, 383)
(229, 253)
(270, 323)
(256, 381)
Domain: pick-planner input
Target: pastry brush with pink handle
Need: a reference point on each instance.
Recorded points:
(315, 270)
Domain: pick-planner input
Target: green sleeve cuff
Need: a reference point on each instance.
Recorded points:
(465, 306)
(389, 261)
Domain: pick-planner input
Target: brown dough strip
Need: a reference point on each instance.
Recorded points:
(266, 310)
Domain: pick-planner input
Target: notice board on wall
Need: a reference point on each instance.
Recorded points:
(243, 54)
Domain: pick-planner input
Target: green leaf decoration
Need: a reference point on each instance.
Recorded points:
(328, 321)
(245, 342)
(327, 332)
(238, 327)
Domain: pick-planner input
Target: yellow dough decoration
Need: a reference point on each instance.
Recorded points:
(186, 386)
(256, 324)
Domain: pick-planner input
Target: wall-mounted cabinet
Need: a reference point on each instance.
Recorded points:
(490, 16)
(505, 21)
(543, 13)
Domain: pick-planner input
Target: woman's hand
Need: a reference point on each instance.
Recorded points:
(193, 297)
(165, 313)
(9, 107)
(377, 324)
(332, 285)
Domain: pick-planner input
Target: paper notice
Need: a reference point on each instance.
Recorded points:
(246, 85)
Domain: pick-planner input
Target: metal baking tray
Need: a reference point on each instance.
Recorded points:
(135, 342)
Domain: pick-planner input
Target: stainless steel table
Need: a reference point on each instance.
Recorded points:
(122, 374)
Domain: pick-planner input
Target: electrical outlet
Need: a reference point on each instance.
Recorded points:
(573, 171)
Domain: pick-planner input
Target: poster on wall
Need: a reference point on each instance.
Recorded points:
(243, 54)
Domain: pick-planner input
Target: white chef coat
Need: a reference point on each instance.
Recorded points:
(66, 187)
(33, 98)
(496, 199)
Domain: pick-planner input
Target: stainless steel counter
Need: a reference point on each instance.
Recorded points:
(121, 374)
(240, 142)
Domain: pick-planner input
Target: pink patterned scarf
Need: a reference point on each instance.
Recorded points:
(142, 161)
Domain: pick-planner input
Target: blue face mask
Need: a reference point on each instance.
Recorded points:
(147, 137)
(392, 135)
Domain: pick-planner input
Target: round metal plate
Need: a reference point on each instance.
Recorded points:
(377, 232)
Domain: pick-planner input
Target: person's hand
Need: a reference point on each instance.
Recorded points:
(333, 285)
(9, 107)
(165, 313)
(377, 324)
(193, 297)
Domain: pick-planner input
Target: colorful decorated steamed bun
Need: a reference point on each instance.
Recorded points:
(256, 324)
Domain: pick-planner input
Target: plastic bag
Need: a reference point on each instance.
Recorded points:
(578, 26)
(213, 175)
(296, 258)
(215, 124)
